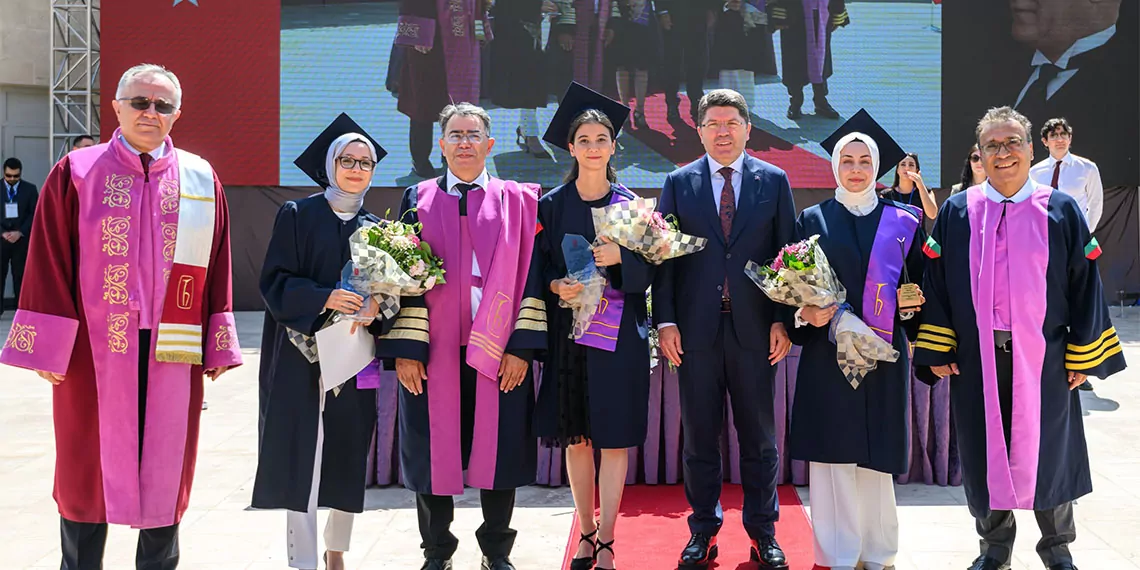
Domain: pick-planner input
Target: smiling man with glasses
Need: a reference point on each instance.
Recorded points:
(465, 411)
(1015, 316)
(126, 305)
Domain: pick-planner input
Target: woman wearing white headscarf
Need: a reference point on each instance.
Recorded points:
(856, 438)
(313, 444)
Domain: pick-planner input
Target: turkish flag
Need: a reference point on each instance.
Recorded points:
(227, 56)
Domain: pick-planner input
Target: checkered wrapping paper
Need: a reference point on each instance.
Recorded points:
(629, 224)
(308, 344)
(389, 280)
(858, 348)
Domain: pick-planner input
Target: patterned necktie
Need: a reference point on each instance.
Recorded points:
(463, 189)
(727, 211)
(1056, 176)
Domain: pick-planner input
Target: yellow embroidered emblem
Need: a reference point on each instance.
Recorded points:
(169, 239)
(115, 284)
(117, 191)
(115, 231)
(168, 193)
(117, 332)
(22, 338)
(223, 339)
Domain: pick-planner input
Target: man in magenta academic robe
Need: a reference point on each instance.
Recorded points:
(465, 412)
(127, 304)
(441, 65)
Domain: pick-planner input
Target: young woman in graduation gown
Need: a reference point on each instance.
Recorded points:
(856, 438)
(592, 398)
(313, 444)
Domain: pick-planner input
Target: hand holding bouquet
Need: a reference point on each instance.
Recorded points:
(801, 276)
(637, 226)
(394, 261)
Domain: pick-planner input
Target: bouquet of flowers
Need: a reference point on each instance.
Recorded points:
(637, 226)
(801, 276)
(394, 261)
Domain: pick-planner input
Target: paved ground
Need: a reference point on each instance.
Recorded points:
(221, 533)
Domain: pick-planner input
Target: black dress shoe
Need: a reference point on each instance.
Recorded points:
(697, 555)
(423, 169)
(824, 109)
(586, 563)
(436, 564)
(767, 552)
(503, 563)
(987, 563)
(1063, 566)
(1087, 386)
(795, 112)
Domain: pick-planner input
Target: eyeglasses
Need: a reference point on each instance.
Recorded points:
(975, 158)
(143, 103)
(349, 163)
(1011, 145)
(732, 125)
(473, 137)
(1059, 136)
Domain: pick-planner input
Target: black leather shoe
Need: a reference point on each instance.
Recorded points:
(1087, 386)
(795, 112)
(987, 563)
(1063, 566)
(436, 564)
(423, 169)
(767, 552)
(824, 109)
(697, 555)
(503, 563)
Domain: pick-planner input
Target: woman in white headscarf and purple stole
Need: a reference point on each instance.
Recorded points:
(856, 438)
(313, 445)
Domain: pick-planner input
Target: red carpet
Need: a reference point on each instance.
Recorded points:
(681, 145)
(653, 528)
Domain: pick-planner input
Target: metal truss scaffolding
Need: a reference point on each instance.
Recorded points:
(75, 72)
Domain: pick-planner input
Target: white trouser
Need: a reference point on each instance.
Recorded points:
(742, 81)
(302, 527)
(528, 122)
(854, 517)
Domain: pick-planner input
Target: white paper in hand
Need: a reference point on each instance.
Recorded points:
(343, 354)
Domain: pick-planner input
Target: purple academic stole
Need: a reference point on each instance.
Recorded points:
(888, 255)
(816, 16)
(602, 333)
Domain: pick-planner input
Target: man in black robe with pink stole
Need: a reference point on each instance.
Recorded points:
(465, 412)
(805, 47)
(1015, 315)
(441, 65)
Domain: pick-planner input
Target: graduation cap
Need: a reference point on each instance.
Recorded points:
(890, 153)
(312, 161)
(579, 98)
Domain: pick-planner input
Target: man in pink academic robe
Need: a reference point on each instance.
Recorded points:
(127, 304)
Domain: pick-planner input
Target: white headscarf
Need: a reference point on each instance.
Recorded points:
(339, 199)
(858, 203)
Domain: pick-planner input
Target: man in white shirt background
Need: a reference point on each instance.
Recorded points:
(1074, 175)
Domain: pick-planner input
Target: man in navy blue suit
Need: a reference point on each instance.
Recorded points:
(733, 337)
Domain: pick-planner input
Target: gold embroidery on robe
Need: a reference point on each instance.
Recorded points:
(117, 190)
(168, 191)
(117, 332)
(115, 284)
(223, 339)
(115, 231)
(169, 239)
(22, 338)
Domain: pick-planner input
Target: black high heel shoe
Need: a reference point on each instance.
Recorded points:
(519, 138)
(600, 546)
(587, 563)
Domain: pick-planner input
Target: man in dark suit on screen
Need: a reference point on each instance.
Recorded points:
(1084, 68)
(19, 198)
(732, 336)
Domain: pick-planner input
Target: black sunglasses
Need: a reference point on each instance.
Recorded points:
(975, 158)
(143, 103)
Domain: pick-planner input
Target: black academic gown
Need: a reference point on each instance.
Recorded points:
(788, 16)
(1077, 331)
(617, 382)
(831, 422)
(516, 55)
(302, 267)
(516, 455)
